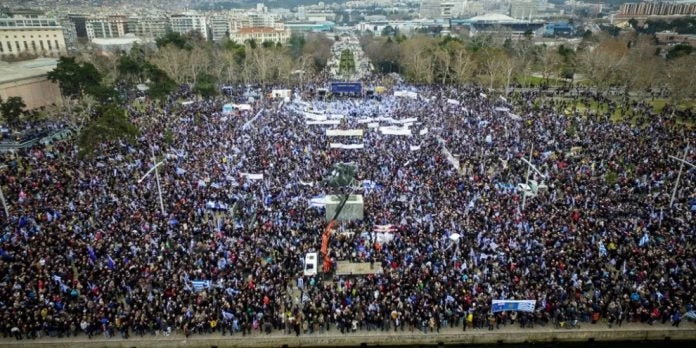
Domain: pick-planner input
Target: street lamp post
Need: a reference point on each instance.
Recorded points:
(2, 198)
(681, 168)
(154, 168)
(526, 180)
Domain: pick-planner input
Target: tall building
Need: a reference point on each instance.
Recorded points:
(80, 23)
(220, 27)
(430, 9)
(32, 35)
(523, 9)
(148, 26)
(188, 22)
(108, 27)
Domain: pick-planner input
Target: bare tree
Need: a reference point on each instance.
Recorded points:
(416, 55)
(462, 64)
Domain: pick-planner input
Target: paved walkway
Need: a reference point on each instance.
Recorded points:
(509, 334)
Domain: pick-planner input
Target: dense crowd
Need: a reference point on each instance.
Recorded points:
(87, 249)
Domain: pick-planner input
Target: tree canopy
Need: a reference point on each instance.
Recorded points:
(111, 124)
(74, 78)
(12, 110)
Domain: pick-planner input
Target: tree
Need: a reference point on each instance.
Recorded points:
(131, 68)
(74, 78)
(416, 55)
(680, 76)
(462, 64)
(111, 124)
(206, 86)
(172, 38)
(679, 51)
(161, 85)
(12, 110)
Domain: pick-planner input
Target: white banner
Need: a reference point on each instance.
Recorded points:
(253, 176)
(373, 125)
(406, 94)
(344, 132)
(452, 101)
(346, 146)
(513, 306)
(325, 122)
(415, 148)
(423, 131)
(395, 131)
(315, 117)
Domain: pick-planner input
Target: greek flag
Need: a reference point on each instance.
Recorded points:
(602, 249)
(644, 240)
(198, 285)
(110, 262)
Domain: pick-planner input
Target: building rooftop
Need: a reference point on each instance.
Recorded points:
(17, 71)
(493, 17)
(256, 30)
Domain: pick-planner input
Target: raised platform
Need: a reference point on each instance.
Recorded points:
(344, 268)
(596, 333)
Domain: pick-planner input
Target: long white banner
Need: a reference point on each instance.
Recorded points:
(253, 176)
(513, 306)
(325, 122)
(395, 131)
(315, 117)
(344, 132)
(346, 146)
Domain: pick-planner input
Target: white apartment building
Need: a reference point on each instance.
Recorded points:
(107, 27)
(220, 27)
(35, 36)
(188, 22)
(278, 34)
(148, 26)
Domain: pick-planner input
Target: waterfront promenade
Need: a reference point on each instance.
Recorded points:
(509, 334)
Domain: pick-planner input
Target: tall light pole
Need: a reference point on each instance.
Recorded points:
(681, 167)
(154, 168)
(526, 180)
(2, 198)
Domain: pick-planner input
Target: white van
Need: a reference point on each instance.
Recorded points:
(310, 264)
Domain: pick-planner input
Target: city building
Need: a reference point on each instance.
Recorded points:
(261, 34)
(429, 9)
(31, 36)
(188, 22)
(79, 21)
(220, 27)
(113, 45)
(28, 80)
(670, 38)
(306, 27)
(657, 8)
(523, 9)
(148, 26)
(106, 27)
(69, 33)
(498, 24)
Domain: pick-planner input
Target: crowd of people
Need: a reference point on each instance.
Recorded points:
(88, 250)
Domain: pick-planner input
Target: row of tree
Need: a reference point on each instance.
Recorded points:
(630, 62)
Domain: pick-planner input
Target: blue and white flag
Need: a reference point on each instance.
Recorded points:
(199, 285)
(227, 315)
(318, 202)
(602, 249)
(513, 306)
(644, 240)
(110, 262)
